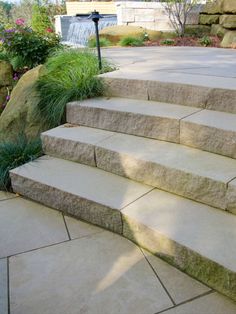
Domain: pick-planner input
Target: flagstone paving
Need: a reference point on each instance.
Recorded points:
(51, 263)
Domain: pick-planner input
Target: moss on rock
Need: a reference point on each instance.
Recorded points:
(229, 39)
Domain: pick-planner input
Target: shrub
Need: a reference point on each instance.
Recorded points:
(205, 41)
(40, 20)
(22, 42)
(168, 42)
(131, 41)
(104, 42)
(69, 75)
(14, 154)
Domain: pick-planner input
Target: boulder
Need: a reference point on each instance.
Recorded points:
(19, 114)
(205, 19)
(214, 7)
(228, 21)
(229, 40)
(218, 30)
(6, 74)
(228, 6)
(117, 32)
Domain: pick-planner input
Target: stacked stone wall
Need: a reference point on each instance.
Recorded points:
(221, 16)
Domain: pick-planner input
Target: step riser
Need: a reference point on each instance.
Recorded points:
(192, 263)
(182, 94)
(207, 271)
(81, 208)
(197, 188)
(136, 124)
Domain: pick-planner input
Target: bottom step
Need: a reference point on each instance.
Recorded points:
(196, 238)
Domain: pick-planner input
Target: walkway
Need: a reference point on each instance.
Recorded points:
(50, 263)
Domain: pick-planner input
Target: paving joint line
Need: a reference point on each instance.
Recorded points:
(159, 279)
(8, 287)
(152, 188)
(187, 301)
(67, 230)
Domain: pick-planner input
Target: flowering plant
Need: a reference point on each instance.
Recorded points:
(22, 42)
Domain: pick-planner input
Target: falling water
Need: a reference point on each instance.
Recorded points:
(81, 29)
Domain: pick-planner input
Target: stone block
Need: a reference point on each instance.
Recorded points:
(229, 39)
(145, 15)
(127, 15)
(231, 197)
(205, 19)
(228, 21)
(229, 6)
(218, 30)
(214, 7)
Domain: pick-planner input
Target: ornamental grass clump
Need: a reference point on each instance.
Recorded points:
(16, 153)
(68, 75)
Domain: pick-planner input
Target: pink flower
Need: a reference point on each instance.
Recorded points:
(49, 30)
(20, 22)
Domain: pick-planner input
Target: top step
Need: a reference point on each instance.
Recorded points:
(176, 88)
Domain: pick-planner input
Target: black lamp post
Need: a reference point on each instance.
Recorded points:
(95, 16)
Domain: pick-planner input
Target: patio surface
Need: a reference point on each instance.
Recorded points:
(54, 264)
(51, 263)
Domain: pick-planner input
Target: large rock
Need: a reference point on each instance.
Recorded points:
(228, 21)
(229, 39)
(6, 73)
(206, 19)
(19, 114)
(116, 33)
(228, 6)
(214, 7)
(218, 30)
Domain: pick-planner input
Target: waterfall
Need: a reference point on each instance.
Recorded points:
(81, 29)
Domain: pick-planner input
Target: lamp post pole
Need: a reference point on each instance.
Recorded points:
(95, 16)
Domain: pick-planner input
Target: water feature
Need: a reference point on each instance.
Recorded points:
(81, 28)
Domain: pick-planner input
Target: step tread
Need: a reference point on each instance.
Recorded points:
(199, 227)
(214, 119)
(88, 182)
(196, 226)
(136, 106)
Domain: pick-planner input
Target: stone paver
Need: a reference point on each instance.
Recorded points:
(180, 286)
(25, 225)
(79, 229)
(6, 195)
(209, 304)
(102, 274)
(3, 287)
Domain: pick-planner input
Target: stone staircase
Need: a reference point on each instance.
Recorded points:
(160, 174)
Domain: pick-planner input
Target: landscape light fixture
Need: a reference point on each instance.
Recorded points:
(95, 16)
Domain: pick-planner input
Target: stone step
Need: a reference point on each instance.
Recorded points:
(194, 237)
(175, 168)
(138, 117)
(216, 93)
(208, 130)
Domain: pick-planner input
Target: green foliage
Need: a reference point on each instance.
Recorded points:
(40, 20)
(104, 42)
(131, 41)
(69, 75)
(22, 42)
(168, 42)
(205, 41)
(16, 153)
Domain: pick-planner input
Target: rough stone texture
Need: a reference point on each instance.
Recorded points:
(229, 39)
(209, 304)
(228, 21)
(205, 19)
(178, 169)
(229, 6)
(231, 197)
(3, 287)
(103, 273)
(85, 192)
(180, 286)
(211, 131)
(18, 115)
(221, 100)
(214, 7)
(73, 143)
(6, 74)
(141, 118)
(187, 235)
(25, 225)
(218, 30)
